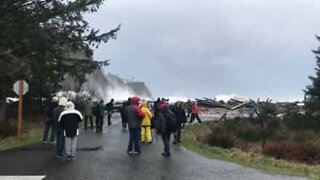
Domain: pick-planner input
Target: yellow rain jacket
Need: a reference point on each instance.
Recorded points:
(147, 118)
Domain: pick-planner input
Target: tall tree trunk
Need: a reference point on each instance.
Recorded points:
(3, 108)
(41, 108)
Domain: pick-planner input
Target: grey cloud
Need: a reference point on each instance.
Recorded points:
(255, 48)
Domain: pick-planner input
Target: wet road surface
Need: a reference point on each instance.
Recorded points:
(112, 162)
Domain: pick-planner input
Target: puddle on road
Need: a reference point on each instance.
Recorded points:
(98, 148)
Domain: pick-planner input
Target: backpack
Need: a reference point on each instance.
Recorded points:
(157, 122)
(172, 121)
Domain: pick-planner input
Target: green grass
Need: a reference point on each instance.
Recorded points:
(33, 131)
(33, 136)
(244, 158)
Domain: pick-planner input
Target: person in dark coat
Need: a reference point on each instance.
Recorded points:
(134, 123)
(49, 122)
(162, 126)
(180, 114)
(109, 107)
(124, 114)
(59, 133)
(156, 108)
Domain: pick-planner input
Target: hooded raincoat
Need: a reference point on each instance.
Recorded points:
(146, 123)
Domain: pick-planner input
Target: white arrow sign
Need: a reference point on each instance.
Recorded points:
(25, 87)
(22, 177)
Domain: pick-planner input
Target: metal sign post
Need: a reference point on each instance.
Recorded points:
(20, 88)
(20, 108)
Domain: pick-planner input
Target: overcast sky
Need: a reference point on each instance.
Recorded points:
(255, 48)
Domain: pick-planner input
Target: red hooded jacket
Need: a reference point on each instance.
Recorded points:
(135, 101)
(195, 109)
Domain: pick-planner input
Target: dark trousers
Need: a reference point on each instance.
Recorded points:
(195, 116)
(124, 121)
(99, 123)
(47, 124)
(60, 142)
(86, 117)
(188, 115)
(166, 142)
(109, 118)
(177, 134)
(124, 124)
(134, 139)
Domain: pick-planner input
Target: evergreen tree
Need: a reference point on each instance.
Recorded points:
(38, 39)
(312, 92)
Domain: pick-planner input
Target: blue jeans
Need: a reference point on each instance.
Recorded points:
(49, 123)
(166, 142)
(134, 139)
(60, 142)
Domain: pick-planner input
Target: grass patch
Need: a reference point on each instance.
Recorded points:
(190, 141)
(32, 136)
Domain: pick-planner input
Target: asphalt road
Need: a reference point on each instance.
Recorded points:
(112, 162)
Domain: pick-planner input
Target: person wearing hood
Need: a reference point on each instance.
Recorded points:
(59, 133)
(69, 121)
(135, 116)
(49, 122)
(165, 124)
(146, 134)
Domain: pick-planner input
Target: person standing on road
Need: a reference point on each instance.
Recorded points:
(99, 112)
(88, 114)
(69, 120)
(195, 113)
(164, 127)
(134, 123)
(181, 120)
(109, 107)
(49, 122)
(59, 135)
(155, 110)
(146, 134)
(124, 114)
(156, 107)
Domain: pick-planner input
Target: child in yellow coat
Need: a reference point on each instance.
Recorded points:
(146, 134)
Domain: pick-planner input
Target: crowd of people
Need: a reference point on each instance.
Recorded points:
(139, 116)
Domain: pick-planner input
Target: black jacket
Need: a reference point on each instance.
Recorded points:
(69, 120)
(161, 124)
(180, 115)
(165, 121)
(109, 106)
(51, 107)
(124, 112)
